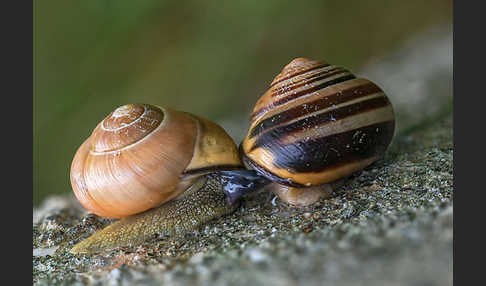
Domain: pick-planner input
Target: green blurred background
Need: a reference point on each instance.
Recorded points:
(210, 58)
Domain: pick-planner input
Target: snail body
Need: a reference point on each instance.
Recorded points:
(316, 125)
(201, 203)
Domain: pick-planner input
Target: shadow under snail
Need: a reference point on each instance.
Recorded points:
(168, 172)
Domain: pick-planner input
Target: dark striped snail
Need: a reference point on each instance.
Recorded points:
(167, 172)
(316, 124)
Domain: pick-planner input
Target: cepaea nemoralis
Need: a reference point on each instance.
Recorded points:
(165, 171)
(316, 124)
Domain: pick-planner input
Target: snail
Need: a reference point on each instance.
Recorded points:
(166, 172)
(156, 169)
(314, 126)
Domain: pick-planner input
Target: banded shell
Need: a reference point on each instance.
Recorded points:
(317, 123)
(142, 155)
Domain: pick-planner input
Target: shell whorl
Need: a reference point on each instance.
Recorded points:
(317, 123)
(125, 126)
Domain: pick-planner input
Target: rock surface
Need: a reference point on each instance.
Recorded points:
(390, 224)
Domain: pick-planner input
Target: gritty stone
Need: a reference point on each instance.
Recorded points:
(44, 251)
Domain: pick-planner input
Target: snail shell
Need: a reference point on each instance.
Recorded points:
(316, 124)
(141, 156)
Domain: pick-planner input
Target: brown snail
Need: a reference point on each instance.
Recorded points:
(152, 167)
(171, 171)
(141, 156)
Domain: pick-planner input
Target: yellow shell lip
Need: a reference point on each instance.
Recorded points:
(267, 174)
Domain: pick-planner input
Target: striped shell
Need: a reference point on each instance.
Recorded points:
(317, 123)
(141, 156)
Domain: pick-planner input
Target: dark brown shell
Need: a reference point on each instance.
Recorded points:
(316, 124)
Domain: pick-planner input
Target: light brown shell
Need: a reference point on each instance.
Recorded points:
(317, 123)
(141, 156)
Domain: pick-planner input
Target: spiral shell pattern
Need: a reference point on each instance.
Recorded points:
(317, 123)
